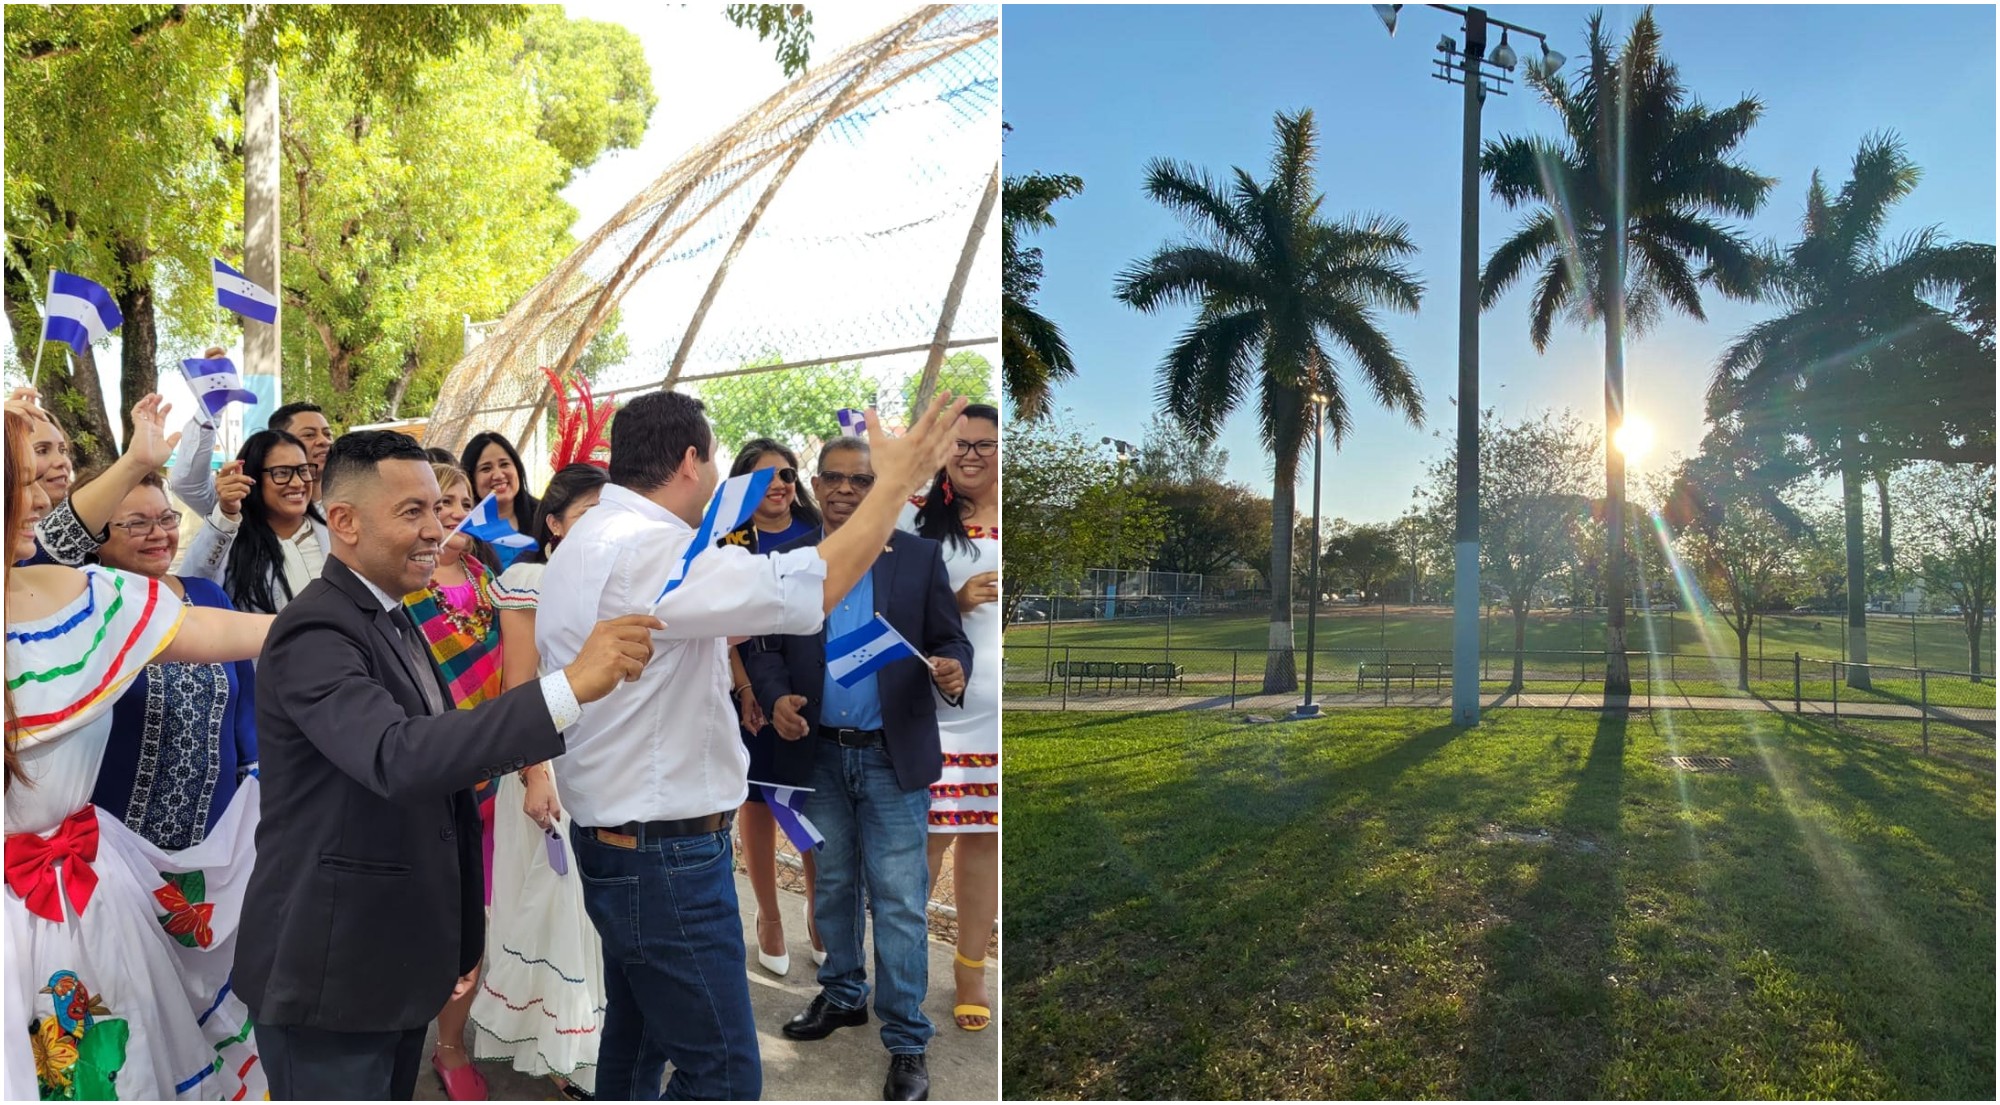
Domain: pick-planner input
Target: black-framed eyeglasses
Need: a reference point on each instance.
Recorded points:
(283, 474)
(136, 528)
(862, 481)
(984, 448)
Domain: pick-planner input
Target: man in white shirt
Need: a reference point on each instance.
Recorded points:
(654, 773)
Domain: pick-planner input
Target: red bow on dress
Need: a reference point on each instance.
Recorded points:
(31, 865)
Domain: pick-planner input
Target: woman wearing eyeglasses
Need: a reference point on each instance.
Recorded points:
(265, 551)
(182, 735)
(787, 511)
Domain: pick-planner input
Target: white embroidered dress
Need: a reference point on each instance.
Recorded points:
(118, 955)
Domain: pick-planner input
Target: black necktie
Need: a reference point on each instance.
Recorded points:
(420, 655)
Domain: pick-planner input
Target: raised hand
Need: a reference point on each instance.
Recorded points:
(151, 446)
(232, 487)
(787, 720)
(615, 652)
(902, 463)
(26, 402)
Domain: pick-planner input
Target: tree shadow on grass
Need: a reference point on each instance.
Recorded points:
(1542, 1023)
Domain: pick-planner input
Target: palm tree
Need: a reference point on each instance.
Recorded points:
(1033, 353)
(1625, 228)
(1276, 283)
(1879, 357)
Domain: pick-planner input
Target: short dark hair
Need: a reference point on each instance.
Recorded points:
(281, 419)
(842, 444)
(362, 451)
(651, 435)
(572, 483)
(440, 456)
(756, 449)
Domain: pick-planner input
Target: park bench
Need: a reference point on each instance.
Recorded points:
(1124, 673)
(1373, 671)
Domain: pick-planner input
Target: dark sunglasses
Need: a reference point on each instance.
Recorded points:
(283, 474)
(788, 475)
(862, 481)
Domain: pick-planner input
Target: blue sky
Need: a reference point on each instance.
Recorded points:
(1099, 91)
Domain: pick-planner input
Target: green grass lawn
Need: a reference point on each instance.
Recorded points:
(1203, 908)
(1939, 642)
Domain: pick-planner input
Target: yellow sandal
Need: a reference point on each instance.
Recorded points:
(970, 1010)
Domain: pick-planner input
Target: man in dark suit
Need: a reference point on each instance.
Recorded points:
(871, 759)
(364, 914)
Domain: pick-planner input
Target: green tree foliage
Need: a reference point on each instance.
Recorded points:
(1361, 558)
(963, 373)
(595, 88)
(1207, 526)
(402, 217)
(795, 406)
(1169, 454)
(1949, 529)
(1535, 479)
(1068, 508)
(1033, 352)
(1624, 225)
(1280, 286)
(790, 24)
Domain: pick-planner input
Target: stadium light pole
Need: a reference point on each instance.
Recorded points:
(1126, 455)
(1478, 75)
(1309, 708)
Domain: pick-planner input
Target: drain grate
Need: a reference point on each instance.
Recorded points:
(1703, 763)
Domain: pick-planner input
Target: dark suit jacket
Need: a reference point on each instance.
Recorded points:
(914, 593)
(366, 904)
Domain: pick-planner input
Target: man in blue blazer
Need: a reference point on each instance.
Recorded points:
(870, 752)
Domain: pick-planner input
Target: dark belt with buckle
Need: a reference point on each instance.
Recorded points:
(632, 834)
(853, 738)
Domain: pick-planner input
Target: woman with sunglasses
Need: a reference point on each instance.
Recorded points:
(267, 550)
(787, 511)
(182, 735)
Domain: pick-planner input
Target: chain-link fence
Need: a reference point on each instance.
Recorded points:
(831, 248)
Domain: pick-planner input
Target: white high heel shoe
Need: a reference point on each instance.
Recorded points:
(776, 964)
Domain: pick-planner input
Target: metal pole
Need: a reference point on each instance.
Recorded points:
(1836, 689)
(1308, 708)
(1067, 670)
(1924, 685)
(1795, 684)
(1465, 549)
(1232, 678)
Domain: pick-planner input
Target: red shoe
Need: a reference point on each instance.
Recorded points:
(462, 1084)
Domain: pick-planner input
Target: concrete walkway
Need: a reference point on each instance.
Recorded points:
(846, 1066)
(1280, 705)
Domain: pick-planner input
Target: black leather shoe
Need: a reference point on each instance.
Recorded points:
(821, 1018)
(909, 1079)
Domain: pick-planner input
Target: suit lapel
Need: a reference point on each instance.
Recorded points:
(382, 622)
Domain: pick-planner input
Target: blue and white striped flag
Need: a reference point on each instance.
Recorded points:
(79, 312)
(852, 657)
(215, 385)
(734, 502)
(788, 809)
(235, 292)
(853, 423)
(486, 524)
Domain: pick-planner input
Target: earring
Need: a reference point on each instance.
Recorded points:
(947, 490)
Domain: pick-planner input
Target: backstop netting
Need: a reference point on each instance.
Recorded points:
(830, 249)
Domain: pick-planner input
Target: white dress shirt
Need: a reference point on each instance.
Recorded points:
(663, 747)
(556, 691)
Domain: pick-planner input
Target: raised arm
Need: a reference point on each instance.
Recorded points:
(192, 479)
(95, 502)
(900, 463)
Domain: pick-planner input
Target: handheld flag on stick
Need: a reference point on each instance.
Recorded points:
(853, 423)
(77, 312)
(732, 506)
(852, 657)
(788, 809)
(215, 385)
(235, 292)
(486, 524)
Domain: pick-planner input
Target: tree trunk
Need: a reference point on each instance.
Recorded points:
(1617, 670)
(139, 341)
(1851, 478)
(1743, 652)
(1882, 505)
(1280, 667)
(402, 385)
(1520, 642)
(75, 399)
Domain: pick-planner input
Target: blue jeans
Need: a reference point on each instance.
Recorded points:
(674, 984)
(875, 838)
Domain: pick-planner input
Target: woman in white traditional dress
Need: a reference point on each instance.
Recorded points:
(540, 1004)
(962, 511)
(117, 954)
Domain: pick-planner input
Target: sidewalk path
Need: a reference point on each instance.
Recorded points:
(1970, 717)
(848, 1065)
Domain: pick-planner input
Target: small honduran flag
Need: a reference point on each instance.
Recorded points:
(732, 506)
(78, 312)
(215, 385)
(853, 423)
(852, 657)
(788, 809)
(236, 292)
(486, 524)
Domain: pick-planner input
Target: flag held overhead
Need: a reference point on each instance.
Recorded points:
(236, 292)
(79, 312)
(853, 423)
(216, 384)
(731, 506)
